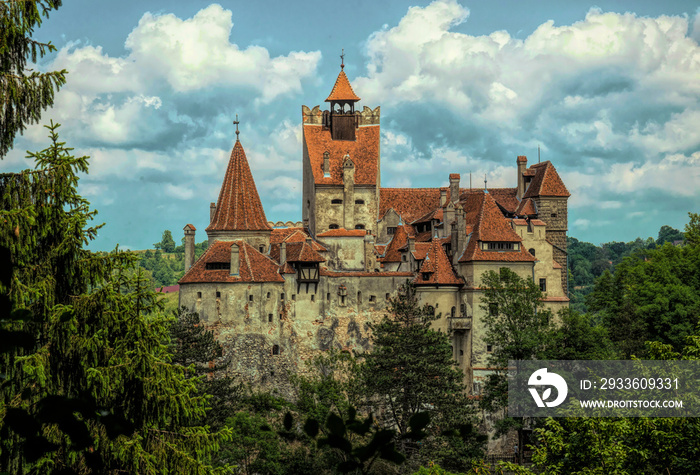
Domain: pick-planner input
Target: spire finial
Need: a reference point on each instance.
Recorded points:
(236, 122)
(342, 59)
(485, 187)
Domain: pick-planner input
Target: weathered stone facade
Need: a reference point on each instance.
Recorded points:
(278, 293)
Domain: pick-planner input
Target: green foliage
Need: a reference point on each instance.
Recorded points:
(668, 234)
(578, 337)
(95, 388)
(23, 93)
(692, 230)
(167, 243)
(412, 370)
(653, 295)
(168, 269)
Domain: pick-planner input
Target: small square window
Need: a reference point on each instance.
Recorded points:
(313, 298)
(489, 348)
(275, 349)
(328, 296)
(294, 296)
(387, 296)
(250, 298)
(282, 296)
(372, 298)
(268, 295)
(218, 295)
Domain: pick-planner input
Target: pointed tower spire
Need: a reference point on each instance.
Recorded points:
(239, 207)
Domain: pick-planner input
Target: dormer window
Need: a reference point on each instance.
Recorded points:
(391, 230)
(501, 246)
(426, 276)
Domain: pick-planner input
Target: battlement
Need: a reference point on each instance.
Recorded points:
(314, 116)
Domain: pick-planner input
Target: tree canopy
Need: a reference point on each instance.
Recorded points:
(24, 93)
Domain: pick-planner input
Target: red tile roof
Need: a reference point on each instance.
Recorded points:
(287, 268)
(254, 266)
(302, 252)
(398, 240)
(363, 151)
(289, 235)
(522, 158)
(342, 232)
(191, 227)
(526, 208)
(409, 203)
(421, 250)
(239, 206)
(537, 222)
(491, 226)
(454, 175)
(437, 267)
(506, 198)
(342, 90)
(546, 182)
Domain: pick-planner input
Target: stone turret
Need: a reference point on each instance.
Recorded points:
(189, 246)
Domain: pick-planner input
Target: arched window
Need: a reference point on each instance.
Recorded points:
(453, 312)
(359, 226)
(332, 226)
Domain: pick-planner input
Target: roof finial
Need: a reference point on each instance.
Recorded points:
(236, 122)
(485, 188)
(538, 153)
(342, 59)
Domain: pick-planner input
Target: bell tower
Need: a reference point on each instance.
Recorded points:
(341, 119)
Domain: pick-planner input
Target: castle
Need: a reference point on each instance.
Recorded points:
(276, 294)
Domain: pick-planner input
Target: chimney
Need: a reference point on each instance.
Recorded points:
(454, 187)
(283, 253)
(235, 259)
(443, 196)
(326, 164)
(461, 230)
(189, 246)
(369, 252)
(212, 211)
(454, 242)
(522, 165)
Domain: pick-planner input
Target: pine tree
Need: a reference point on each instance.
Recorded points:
(82, 333)
(23, 93)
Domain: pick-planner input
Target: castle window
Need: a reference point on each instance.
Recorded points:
(217, 265)
(268, 295)
(294, 296)
(269, 318)
(336, 202)
(342, 300)
(332, 226)
(218, 295)
(372, 298)
(250, 298)
(493, 309)
(500, 246)
(462, 309)
(461, 352)
(313, 298)
(359, 202)
(391, 230)
(199, 295)
(553, 215)
(431, 310)
(388, 296)
(359, 298)
(531, 251)
(426, 276)
(262, 249)
(489, 348)
(282, 296)
(453, 312)
(359, 226)
(543, 285)
(275, 349)
(328, 296)
(403, 257)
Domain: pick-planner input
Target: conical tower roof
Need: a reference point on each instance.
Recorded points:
(239, 207)
(342, 90)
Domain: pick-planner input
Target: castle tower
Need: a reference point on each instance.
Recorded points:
(341, 163)
(239, 214)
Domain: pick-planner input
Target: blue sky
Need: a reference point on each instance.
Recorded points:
(610, 91)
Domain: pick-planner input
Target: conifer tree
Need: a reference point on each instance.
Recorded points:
(81, 333)
(23, 93)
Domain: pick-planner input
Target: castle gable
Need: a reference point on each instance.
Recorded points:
(546, 182)
(436, 268)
